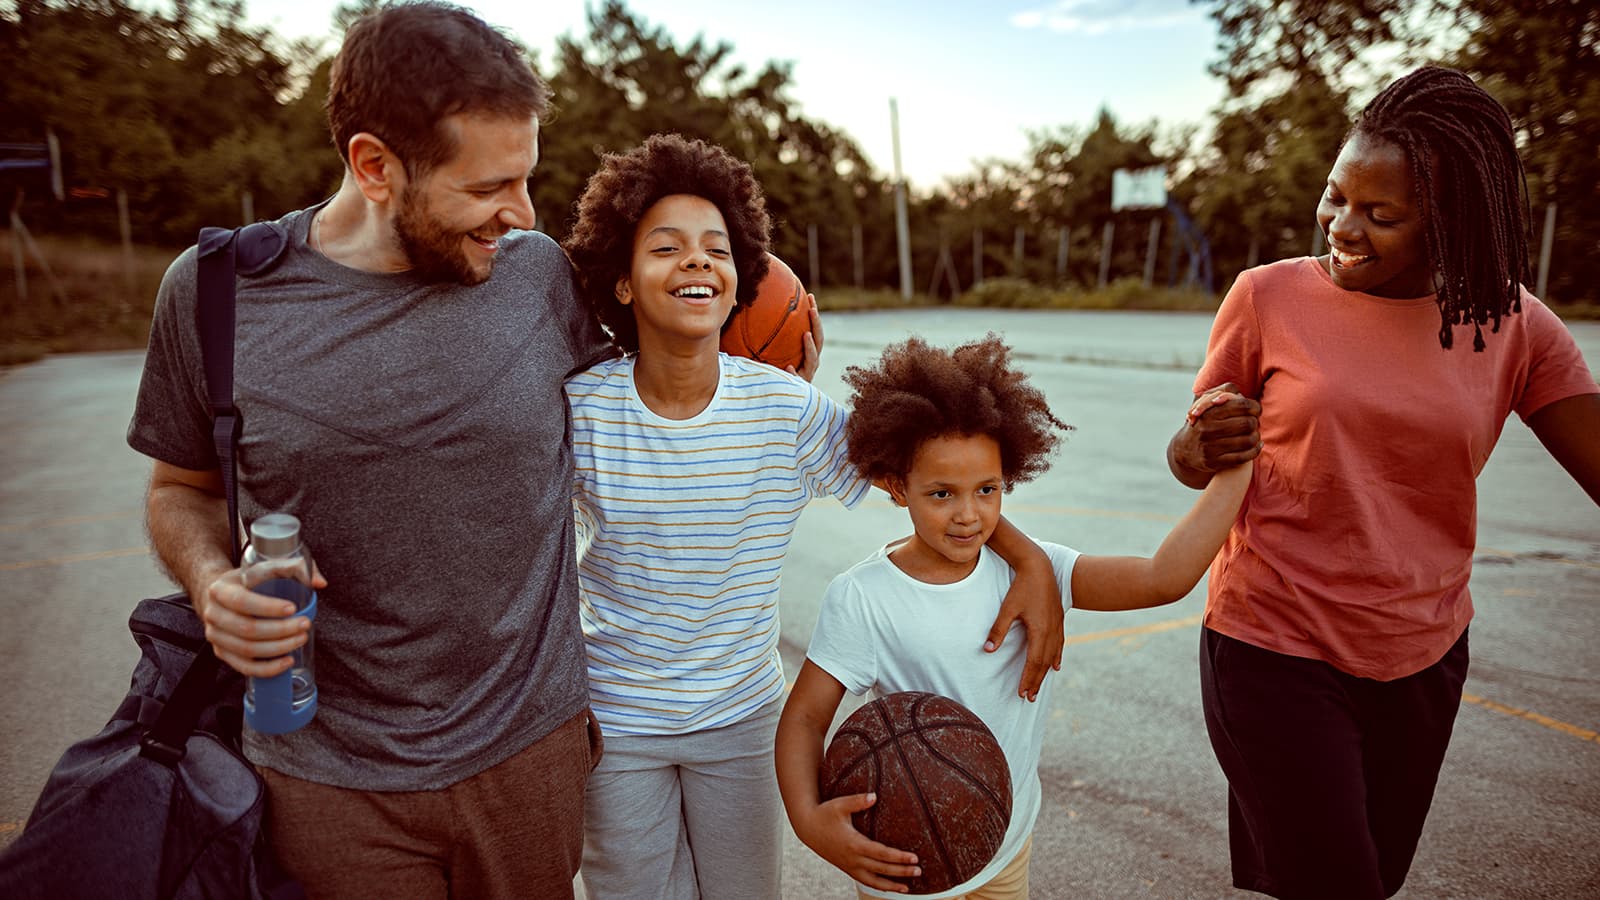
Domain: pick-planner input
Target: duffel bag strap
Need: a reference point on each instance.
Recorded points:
(167, 739)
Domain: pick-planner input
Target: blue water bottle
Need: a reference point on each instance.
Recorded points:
(277, 564)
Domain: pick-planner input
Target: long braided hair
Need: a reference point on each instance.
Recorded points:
(1463, 155)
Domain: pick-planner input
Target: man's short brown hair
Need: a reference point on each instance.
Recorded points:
(405, 67)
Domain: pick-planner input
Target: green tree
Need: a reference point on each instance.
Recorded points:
(626, 80)
(185, 111)
(1255, 193)
(1270, 42)
(1067, 184)
(1541, 58)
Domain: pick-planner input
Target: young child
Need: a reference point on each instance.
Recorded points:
(948, 432)
(691, 468)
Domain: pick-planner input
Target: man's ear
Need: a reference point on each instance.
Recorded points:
(623, 291)
(377, 171)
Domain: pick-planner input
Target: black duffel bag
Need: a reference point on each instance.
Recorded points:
(133, 813)
(162, 803)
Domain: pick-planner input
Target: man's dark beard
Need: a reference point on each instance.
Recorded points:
(434, 252)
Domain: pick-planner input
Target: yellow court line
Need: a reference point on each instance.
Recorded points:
(1577, 731)
(1152, 628)
(8, 827)
(1559, 560)
(72, 558)
(69, 520)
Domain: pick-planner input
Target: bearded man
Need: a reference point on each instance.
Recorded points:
(399, 372)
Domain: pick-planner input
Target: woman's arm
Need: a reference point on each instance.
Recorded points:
(1570, 430)
(826, 827)
(1035, 598)
(1136, 582)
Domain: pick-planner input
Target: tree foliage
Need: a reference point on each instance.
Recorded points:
(1265, 41)
(1541, 58)
(184, 111)
(1293, 68)
(188, 107)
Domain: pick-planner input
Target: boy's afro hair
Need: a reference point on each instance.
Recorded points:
(623, 190)
(918, 392)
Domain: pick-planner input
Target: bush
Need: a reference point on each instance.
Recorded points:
(1008, 293)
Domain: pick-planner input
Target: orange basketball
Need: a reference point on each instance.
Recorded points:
(771, 328)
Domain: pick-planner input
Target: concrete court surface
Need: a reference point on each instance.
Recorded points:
(1134, 802)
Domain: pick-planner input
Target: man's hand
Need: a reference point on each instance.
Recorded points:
(828, 831)
(812, 345)
(252, 632)
(1035, 598)
(1222, 430)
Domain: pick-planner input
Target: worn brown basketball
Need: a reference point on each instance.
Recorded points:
(772, 327)
(943, 786)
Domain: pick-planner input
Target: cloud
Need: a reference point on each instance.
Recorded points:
(1092, 17)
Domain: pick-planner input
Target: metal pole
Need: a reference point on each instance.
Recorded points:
(1105, 251)
(811, 249)
(1316, 242)
(1544, 250)
(1016, 253)
(977, 256)
(17, 259)
(860, 257)
(126, 229)
(1255, 252)
(247, 204)
(1062, 239)
(902, 226)
(1150, 252)
(57, 187)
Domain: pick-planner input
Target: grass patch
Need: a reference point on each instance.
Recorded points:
(1124, 293)
(90, 298)
(832, 298)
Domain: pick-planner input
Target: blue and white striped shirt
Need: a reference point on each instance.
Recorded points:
(682, 530)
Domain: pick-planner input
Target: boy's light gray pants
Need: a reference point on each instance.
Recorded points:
(681, 817)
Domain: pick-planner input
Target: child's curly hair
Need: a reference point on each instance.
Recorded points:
(627, 185)
(918, 392)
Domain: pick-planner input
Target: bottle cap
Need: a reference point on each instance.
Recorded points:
(275, 534)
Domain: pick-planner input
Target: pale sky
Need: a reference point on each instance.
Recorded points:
(972, 77)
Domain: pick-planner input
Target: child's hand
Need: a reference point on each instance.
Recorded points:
(811, 345)
(1213, 397)
(827, 830)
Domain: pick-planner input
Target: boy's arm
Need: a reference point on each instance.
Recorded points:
(1135, 582)
(826, 827)
(1035, 598)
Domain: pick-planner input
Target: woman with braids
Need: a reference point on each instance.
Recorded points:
(1334, 645)
(949, 432)
(691, 467)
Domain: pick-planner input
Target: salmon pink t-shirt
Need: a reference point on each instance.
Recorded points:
(1354, 544)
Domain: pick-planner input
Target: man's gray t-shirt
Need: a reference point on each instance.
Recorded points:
(420, 433)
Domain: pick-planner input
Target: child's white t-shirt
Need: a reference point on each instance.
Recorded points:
(882, 630)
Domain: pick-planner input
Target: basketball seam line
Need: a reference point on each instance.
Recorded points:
(874, 747)
(916, 788)
(978, 782)
(794, 303)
